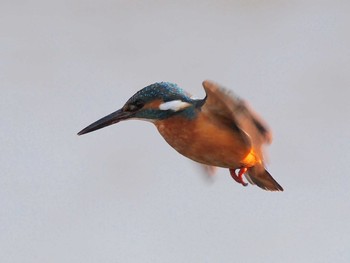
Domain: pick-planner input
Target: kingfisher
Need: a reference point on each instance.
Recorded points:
(221, 130)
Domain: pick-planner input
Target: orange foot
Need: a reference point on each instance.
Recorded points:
(238, 178)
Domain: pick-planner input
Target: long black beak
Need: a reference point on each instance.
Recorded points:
(110, 119)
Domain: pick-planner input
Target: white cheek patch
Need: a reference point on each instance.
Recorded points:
(174, 105)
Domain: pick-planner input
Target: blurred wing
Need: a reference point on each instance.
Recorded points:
(219, 107)
(223, 103)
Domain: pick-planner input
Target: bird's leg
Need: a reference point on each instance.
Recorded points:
(238, 178)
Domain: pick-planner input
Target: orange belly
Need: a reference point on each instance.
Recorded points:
(206, 142)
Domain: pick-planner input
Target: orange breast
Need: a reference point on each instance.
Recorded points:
(206, 142)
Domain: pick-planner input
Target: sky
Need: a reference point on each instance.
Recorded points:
(121, 194)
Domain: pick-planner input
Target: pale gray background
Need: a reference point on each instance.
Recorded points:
(122, 194)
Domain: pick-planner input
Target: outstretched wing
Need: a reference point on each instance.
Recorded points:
(220, 107)
(234, 111)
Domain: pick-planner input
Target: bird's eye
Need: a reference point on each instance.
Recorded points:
(136, 105)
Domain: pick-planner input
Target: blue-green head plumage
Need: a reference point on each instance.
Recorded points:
(165, 92)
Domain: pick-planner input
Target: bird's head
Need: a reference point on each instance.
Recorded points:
(155, 102)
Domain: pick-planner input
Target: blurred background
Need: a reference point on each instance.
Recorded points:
(122, 194)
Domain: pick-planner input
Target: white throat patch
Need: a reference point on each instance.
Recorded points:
(174, 105)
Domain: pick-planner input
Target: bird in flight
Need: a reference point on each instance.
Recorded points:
(220, 130)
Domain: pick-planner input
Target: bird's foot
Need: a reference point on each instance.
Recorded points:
(238, 177)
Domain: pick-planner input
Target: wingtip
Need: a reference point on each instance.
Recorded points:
(205, 81)
(208, 83)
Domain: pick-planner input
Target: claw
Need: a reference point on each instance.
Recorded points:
(238, 178)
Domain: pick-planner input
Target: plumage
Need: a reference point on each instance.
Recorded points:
(220, 130)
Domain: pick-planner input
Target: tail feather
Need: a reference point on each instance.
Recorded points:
(259, 176)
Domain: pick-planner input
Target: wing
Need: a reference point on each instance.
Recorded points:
(220, 107)
(234, 111)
